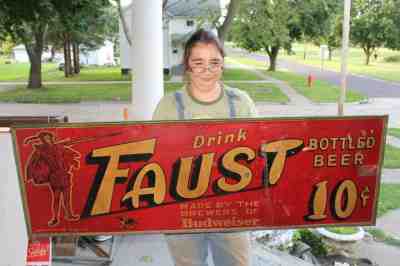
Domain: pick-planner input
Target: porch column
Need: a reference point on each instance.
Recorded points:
(147, 58)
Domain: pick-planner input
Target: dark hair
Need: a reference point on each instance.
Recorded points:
(200, 36)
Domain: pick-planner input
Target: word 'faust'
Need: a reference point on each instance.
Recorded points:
(190, 178)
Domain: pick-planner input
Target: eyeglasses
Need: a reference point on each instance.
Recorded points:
(199, 67)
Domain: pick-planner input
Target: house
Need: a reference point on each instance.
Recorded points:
(181, 18)
(101, 56)
(19, 54)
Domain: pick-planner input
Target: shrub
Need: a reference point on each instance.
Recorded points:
(318, 247)
(392, 59)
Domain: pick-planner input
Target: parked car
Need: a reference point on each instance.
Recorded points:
(60, 66)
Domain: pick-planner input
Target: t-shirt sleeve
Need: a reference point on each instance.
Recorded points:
(251, 107)
(246, 105)
(165, 109)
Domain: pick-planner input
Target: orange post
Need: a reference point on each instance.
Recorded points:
(125, 114)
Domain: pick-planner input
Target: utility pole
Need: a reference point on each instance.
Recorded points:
(345, 52)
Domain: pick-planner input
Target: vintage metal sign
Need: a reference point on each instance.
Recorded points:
(200, 175)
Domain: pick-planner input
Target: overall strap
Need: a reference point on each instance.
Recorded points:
(179, 105)
(231, 97)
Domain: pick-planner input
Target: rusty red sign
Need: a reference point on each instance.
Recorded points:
(200, 175)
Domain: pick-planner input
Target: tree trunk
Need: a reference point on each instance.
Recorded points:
(368, 50)
(273, 56)
(367, 56)
(35, 51)
(232, 11)
(35, 72)
(75, 50)
(368, 59)
(53, 53)
(330, 50)
(67, 56)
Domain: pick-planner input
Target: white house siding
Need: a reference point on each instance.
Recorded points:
(20, 55)
(175, 26)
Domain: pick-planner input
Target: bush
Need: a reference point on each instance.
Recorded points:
(318, 247)
(392, 59)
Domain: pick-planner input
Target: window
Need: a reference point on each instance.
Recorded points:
(189, 23)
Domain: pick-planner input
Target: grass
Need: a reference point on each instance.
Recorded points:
(392, 157)
(120, 92)
(239, 74)
(20, 71)
(380, 236)
(320, 92)
(389, 198)
(262, 92)
(378, 68)
(68, 93)
(394, 132)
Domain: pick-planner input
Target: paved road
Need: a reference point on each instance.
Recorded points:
(369, 86)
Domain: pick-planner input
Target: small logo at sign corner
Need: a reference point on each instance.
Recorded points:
(126, 222)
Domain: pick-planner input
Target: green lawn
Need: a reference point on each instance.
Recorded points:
(320, 92)
(68, 93)
(392, 157)
(262, 92)
(378, 68)
(92, 73)
(389, 198)
(120, 92)
(20, 71)
(394, 132)
(239, 74)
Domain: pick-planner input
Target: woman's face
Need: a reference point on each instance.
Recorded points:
(205, 66)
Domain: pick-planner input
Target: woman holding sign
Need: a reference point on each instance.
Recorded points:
(205, 96)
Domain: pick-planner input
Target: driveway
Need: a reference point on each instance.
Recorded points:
(371, 87)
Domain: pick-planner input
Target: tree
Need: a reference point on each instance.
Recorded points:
(82, 22)
(370, 25)
(393, 35)
(334, 38)
(264, 25)
(315, 20)
(6, 46)
(26, 22)
(224, 27)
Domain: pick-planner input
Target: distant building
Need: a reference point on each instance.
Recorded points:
(100, 57)
(20, 55)
(181, 19)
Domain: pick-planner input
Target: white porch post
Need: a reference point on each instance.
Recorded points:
(147, 58)
(13, 231)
